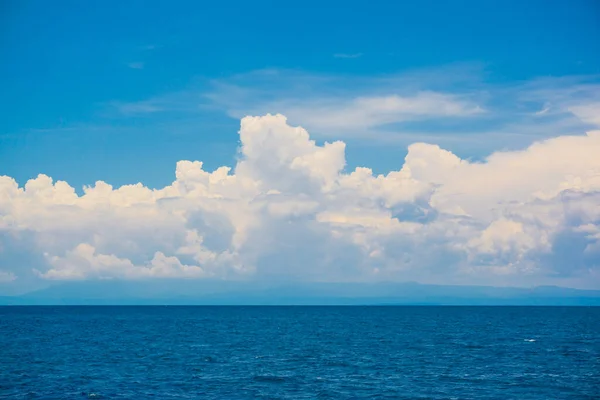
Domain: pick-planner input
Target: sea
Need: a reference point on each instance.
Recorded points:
(388, 352)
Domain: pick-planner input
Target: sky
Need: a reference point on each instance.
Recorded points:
(447, 142)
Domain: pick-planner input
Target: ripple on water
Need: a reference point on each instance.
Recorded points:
(299, 353)
(270, 378)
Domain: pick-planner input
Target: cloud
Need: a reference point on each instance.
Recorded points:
(177, 104)
(290, 210)
(136, 65)
(542, 111)
(142, 107)
(458, 107)
(362, 113)
(344, 106)
(347, 55)
(83, 262)
(589, 113)
(456, 104)
(6, 277)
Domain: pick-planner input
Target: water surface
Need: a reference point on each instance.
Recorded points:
(300, 352)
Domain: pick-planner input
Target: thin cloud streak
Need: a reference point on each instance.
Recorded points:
(447, 105)
(136, 65)
(348, 55)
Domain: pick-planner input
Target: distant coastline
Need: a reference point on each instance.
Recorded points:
(231, 293)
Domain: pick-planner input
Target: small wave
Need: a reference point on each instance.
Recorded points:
(474, 346)
(336, 363)
(269, 378)
(529, 340)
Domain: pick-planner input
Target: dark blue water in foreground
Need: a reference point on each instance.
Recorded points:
(300, 352)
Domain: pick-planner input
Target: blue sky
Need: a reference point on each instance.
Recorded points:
(477, 114)
(66, 61)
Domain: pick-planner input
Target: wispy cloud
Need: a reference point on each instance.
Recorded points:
(181, 102)
(543, 111)
(142, 107)
(366, 112)
(136, 65)
(589, 113)
(447, 105)
(347, 55)
(453, 102)
(7, 277)
(346, 105)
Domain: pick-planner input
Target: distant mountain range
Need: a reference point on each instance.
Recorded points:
(207, 292)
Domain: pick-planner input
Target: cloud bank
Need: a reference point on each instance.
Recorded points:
(290, 210)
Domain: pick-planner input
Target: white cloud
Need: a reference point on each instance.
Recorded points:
(369, 112)
(83, 262)
(455, 106)
(6, 277)
(589, 113)
(345, 107)
(289, 208)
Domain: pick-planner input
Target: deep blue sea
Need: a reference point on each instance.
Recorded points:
(300, 352)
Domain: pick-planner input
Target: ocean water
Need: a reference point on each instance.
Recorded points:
(300, 352)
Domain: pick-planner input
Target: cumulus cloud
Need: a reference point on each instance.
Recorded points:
(290, 209)
(83, 262)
